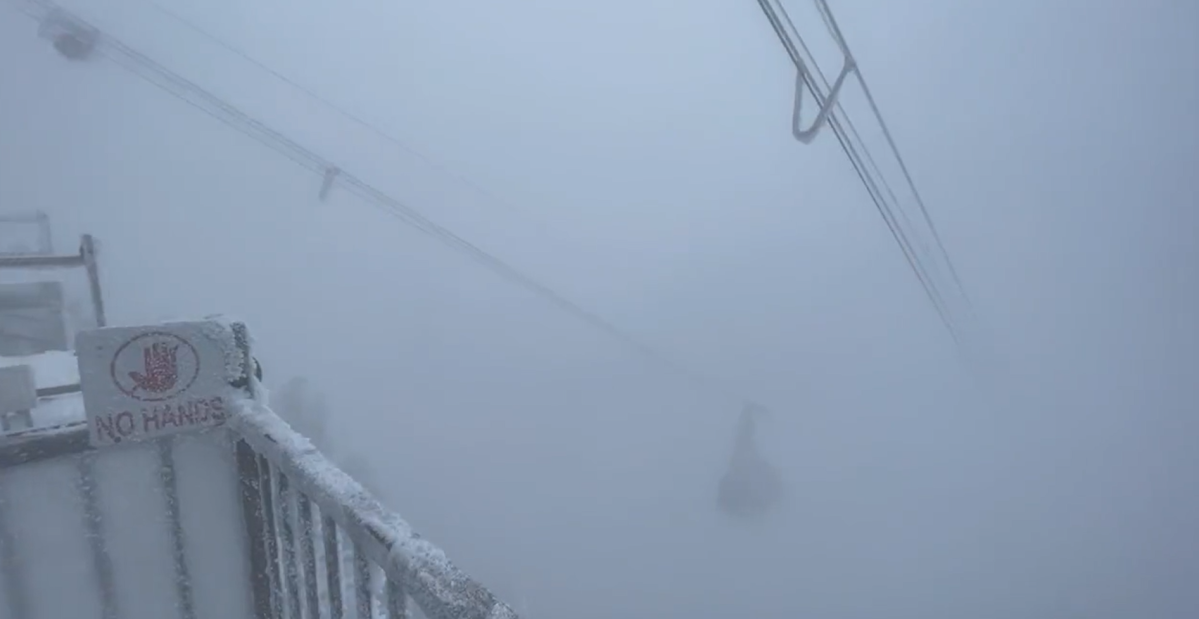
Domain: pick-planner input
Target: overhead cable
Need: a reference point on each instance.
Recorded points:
(835, 30)
(203, 100)
(876, 188)
(341, 111)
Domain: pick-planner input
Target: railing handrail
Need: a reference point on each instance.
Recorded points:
(39, 261)
(45, 443)
(440, 589)
(57, 390)
(86, 258)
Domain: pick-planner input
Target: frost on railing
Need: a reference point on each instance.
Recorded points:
(319, 545)
(316, 515)
(316, 544)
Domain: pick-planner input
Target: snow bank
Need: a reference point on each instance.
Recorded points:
(440, 589)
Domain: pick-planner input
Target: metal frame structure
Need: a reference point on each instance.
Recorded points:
(299, 512)
(86, 258)
(46, 259)
(45, 241)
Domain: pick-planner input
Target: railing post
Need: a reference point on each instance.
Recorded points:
(362, 584)
(45, 237)
(254, 517)
(87, 251)
(170, 487)
(266, 480)
(397, 600)
(308, 557)
(291, 568)
(333, 567)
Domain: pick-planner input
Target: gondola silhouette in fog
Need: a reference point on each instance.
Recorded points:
(752, 486)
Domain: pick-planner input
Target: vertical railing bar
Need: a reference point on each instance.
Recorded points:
(291, 568)
(45, 236)
(333, 568)
(266, 482)
(254, 517)
(87, 250)
(93, 524)
(397, 599)
(10, 567)
(362, 584)
(308, 557)
(170, 487)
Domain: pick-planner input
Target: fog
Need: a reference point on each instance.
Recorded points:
(636, 158)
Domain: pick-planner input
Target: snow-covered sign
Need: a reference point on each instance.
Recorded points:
(140, 383)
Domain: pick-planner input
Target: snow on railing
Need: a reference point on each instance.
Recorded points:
(295, 496)
(303, 517)
(317, 543)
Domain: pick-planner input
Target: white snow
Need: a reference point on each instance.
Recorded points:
(220, 329)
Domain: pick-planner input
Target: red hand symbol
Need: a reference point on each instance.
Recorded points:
(161, 367)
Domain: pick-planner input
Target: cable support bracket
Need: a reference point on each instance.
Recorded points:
(803, 77)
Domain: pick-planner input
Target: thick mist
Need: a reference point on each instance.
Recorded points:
(636, 157)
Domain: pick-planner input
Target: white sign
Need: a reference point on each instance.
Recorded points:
(140, 383)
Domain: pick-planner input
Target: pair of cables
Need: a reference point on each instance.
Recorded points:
(75, 38)
(921, 258)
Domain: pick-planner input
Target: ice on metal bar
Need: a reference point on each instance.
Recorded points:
(430, 578)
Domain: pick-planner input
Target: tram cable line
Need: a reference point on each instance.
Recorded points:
(334, 107)
(835, 30)
(751, 485)
(191, 93)
(863, 162)
(196, 96)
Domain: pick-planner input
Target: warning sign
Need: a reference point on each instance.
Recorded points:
(144, 382)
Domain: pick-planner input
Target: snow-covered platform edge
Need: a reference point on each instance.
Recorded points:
(440, 589)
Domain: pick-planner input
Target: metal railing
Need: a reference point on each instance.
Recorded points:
(295, 496)
(45, 242)
(319, 546)
(86, 258)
